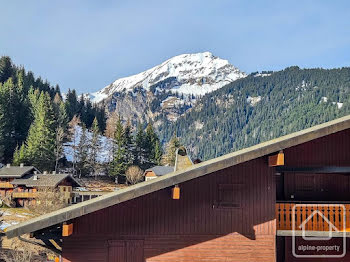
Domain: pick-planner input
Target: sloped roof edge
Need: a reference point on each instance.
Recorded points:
(180, 176)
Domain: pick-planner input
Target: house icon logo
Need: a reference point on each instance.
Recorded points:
(331, 227)
(315, 229)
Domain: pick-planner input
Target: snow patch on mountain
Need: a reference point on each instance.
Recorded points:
(197, 74)
(253, 100)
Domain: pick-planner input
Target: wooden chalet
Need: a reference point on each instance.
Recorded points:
(236, 207)
(19, 184)
(9, 173)
(26, 188)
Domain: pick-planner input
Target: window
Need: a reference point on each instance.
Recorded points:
(229, 196)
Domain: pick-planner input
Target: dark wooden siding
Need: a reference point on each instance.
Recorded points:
(194, 228)
(332, 150)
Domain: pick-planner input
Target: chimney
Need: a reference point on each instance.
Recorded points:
(8, 165)
(182, 160)
(35, 177)
(21, 165)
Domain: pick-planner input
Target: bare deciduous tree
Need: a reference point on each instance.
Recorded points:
(134, 174)
(73, 136)
(110, 125)
(49, 199)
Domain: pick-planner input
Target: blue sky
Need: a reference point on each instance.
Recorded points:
(88, 44)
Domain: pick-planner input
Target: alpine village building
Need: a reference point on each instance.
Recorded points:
(237, 207)
(19, 185)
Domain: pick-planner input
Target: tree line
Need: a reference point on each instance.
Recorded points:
(126, 146)
(31, 109)
(36, 124)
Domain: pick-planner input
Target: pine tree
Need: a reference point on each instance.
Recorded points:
(3, 122)
(40, 143)
(119, 163)
(158, 153)
(59, 145)
(6, 68)
(139, 152)
(95, 148)
(14, 120)
(150, 144)
(62, 119)
(170, 155)
(129, 144)
(82, 152)
(71, 104)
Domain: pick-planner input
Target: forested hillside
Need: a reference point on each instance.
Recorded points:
(31, 111)
(259, 108)
(40, 128)
(248, 111)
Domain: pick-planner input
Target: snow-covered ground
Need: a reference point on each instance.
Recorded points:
(198, 74)
(106, 144)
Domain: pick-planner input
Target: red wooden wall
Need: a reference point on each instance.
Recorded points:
(332, 150)
(193, 228)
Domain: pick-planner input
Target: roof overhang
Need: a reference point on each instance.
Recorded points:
(178, 177)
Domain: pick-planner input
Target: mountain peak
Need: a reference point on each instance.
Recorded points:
(196, 74)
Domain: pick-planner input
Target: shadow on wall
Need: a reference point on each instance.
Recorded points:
(216, 215)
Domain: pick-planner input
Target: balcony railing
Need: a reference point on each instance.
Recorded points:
(5, 185)
(24, 194)
(313, 217)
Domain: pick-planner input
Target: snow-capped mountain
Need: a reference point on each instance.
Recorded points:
(168, 90)
(195, 74)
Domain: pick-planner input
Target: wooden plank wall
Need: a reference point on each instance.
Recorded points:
(332, 150)
(189, 229)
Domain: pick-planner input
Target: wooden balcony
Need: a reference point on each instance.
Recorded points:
(24, 194)
(313, 217)
(5, 185)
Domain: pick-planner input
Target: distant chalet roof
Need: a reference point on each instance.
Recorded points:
(161, 170)
(179, 177)
(16, 171)
(43, 180)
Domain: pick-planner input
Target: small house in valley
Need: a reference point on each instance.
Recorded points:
(157, 171)
(26, 188)
(8, 173)
(182, 161)
(19, 185)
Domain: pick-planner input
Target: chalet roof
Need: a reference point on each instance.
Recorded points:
(43, 180)
(178, 177)
(161, 170)
(16, 171)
